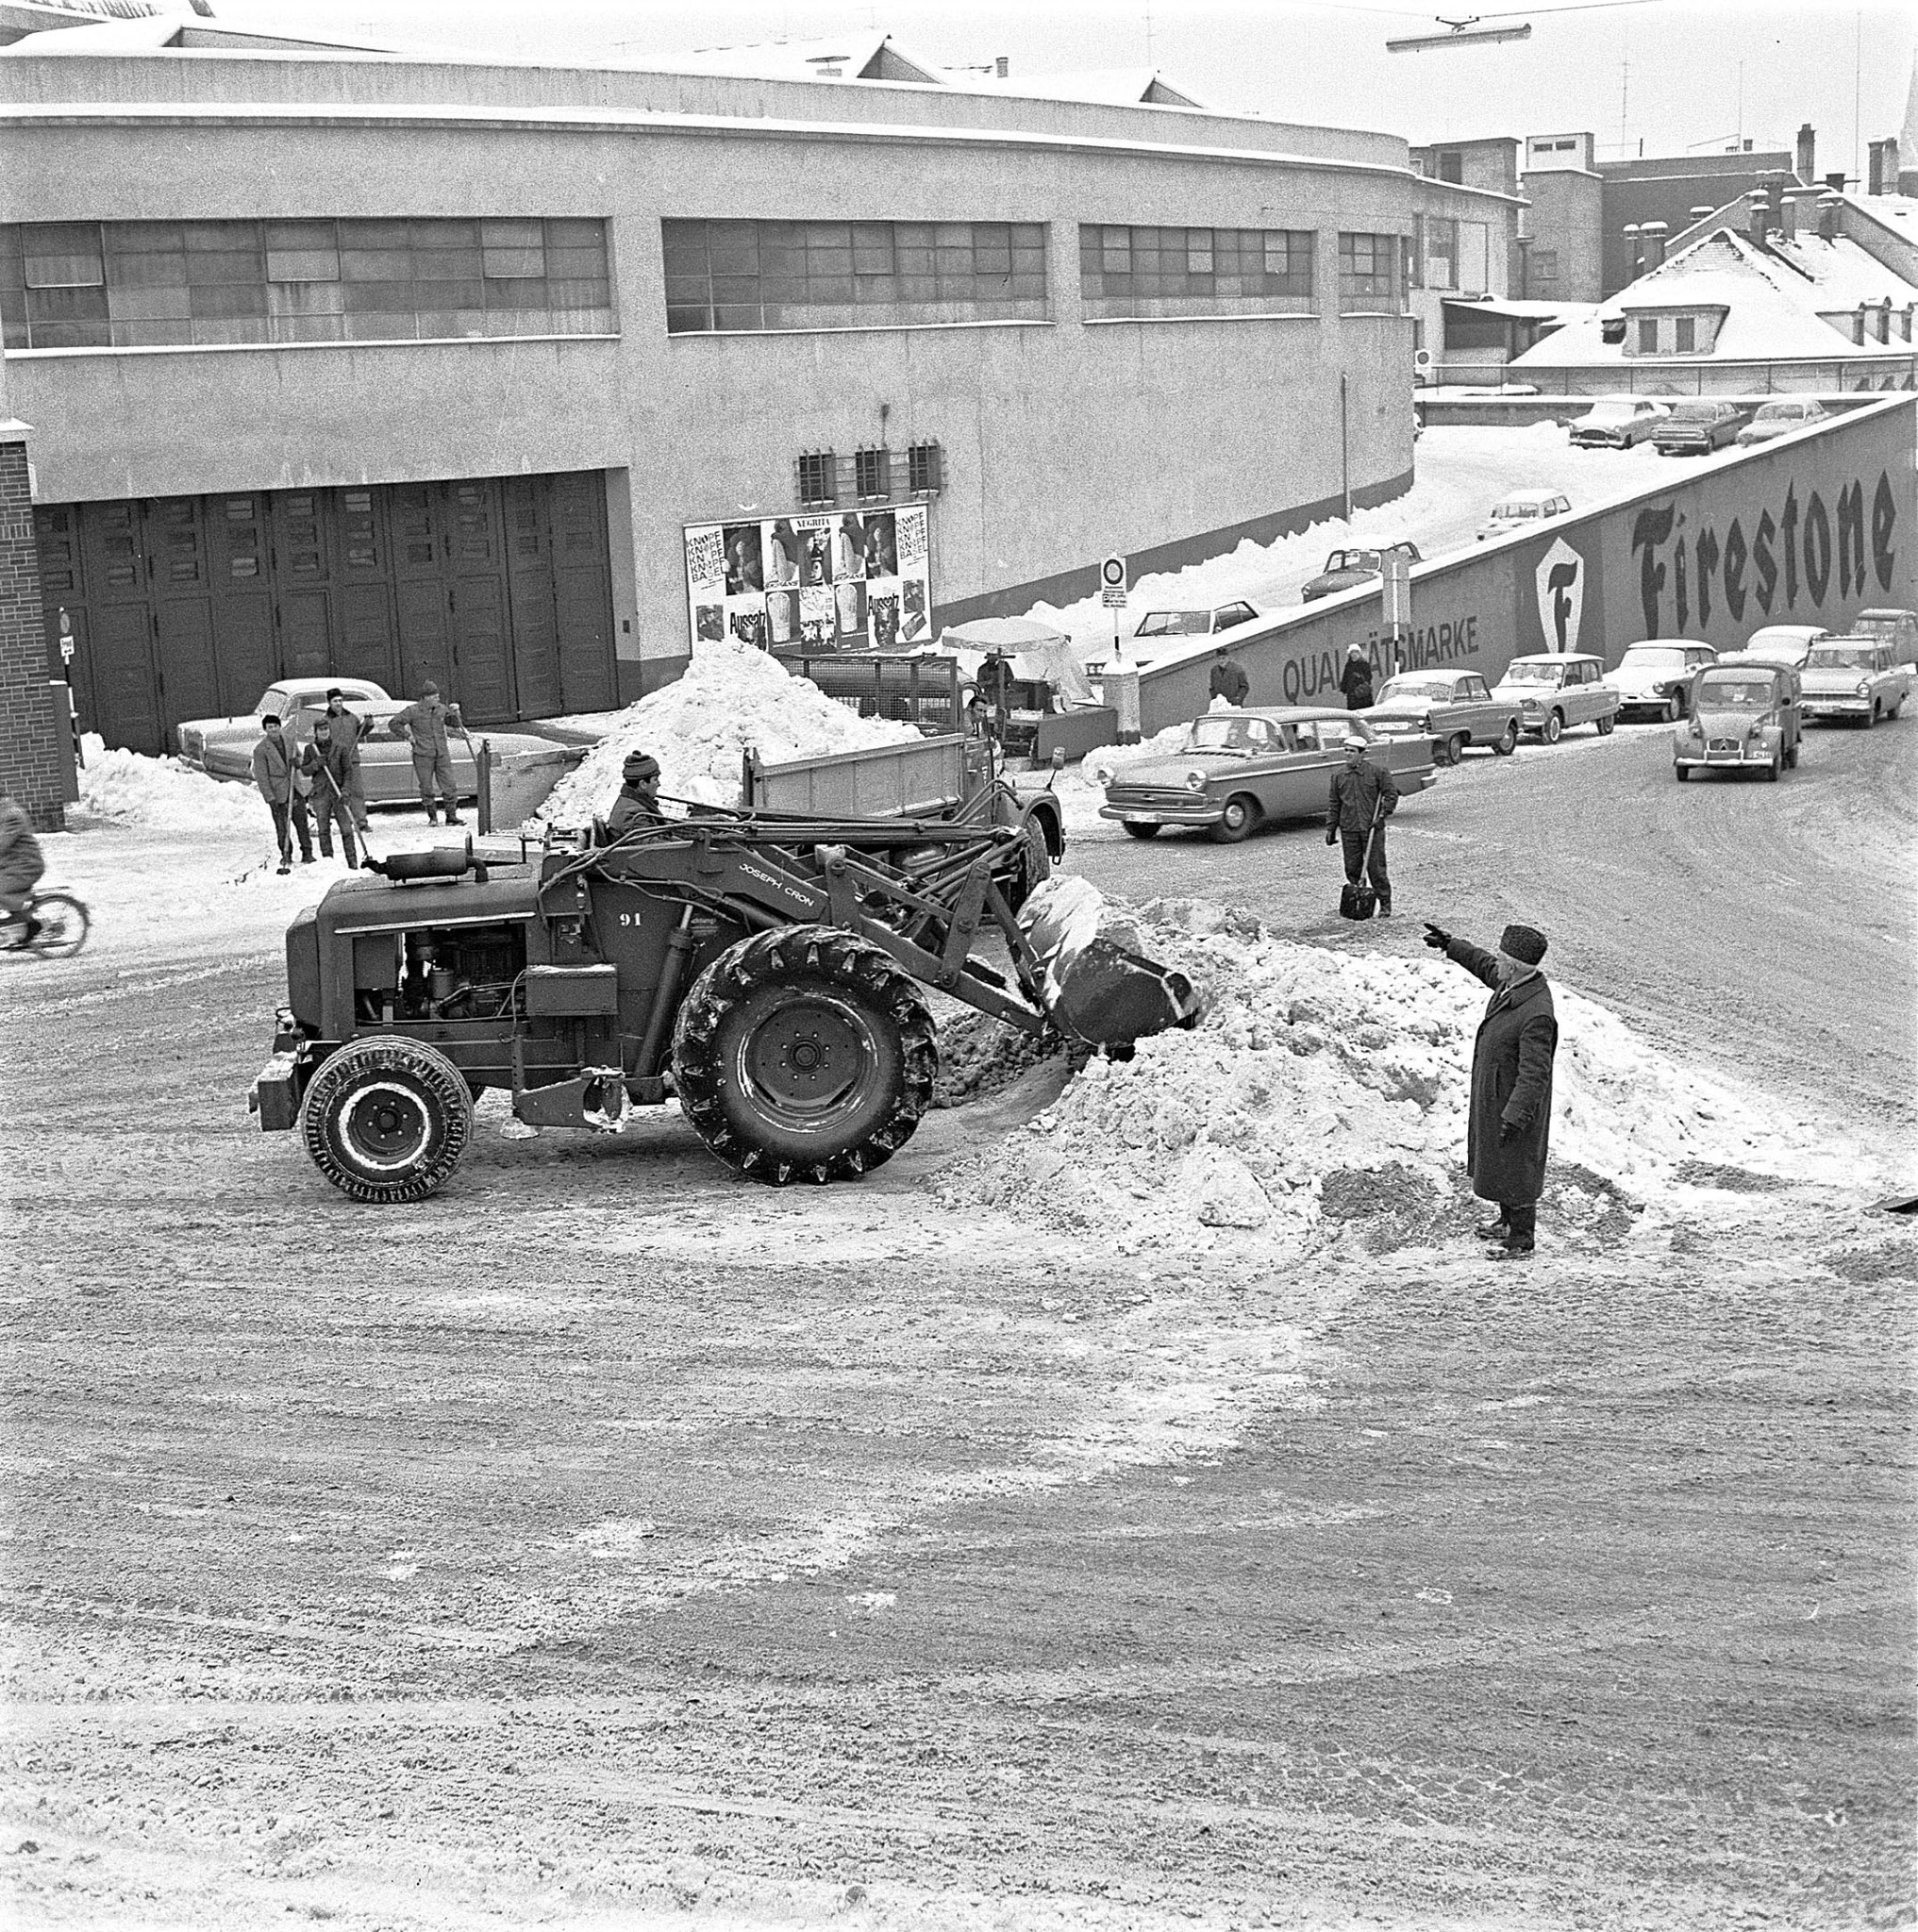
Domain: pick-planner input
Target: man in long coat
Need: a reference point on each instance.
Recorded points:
(1509, 1130)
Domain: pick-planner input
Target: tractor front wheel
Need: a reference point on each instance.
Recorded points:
(387, 1120)
(804, 1055)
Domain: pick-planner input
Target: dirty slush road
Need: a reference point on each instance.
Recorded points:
(609, 1543)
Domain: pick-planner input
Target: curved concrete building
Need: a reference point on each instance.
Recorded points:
(525, 377)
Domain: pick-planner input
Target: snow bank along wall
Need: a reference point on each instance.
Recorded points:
(1810, 529)
(484, 333)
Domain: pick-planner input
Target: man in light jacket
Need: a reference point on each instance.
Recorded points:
(276, 773)
(1510, 1131)
(425, 722)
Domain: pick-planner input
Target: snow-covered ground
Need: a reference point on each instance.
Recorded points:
(1461, 473)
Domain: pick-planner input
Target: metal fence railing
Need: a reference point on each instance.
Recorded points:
(1840, 376)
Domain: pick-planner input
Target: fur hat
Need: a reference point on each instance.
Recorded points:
(1523, 943)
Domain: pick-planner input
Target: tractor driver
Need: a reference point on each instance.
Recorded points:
(638, 803)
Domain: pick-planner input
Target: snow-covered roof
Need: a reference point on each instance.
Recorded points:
(1121, 87)
(858, 56)
(1772, 311)
(1841, 272)
(1526, 311)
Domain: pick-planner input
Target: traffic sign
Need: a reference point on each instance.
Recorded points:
(1112, 583)
(1112, 600)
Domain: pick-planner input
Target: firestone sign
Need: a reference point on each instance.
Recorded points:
(1753, 566)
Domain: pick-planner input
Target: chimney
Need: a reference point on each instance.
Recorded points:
(1758, 209)
(1828, 208)
(1835, 181)
(1788, 219)
(1875, 177)
(1002, 67)
(1906, 317)
(1653, 235)
(1885, 321)
(1808, 150)
(1858, 327)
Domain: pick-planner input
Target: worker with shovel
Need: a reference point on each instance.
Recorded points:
(1363, 796)
(276, 774)
(426, 722)
(339, 797)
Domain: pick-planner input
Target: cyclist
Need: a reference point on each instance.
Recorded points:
(21, 865)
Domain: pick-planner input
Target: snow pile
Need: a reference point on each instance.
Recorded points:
(1098, 765)
(1322, 1088)
(731, 696)
(164, 794)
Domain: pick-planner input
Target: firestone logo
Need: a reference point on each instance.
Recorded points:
(1561, 585)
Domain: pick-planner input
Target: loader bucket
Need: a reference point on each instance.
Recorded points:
(1093, 987)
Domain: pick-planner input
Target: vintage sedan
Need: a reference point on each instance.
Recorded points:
(1782, 643)
(1346, 570)
(1854, 680)
(223, 747)
(1238, 770)
(1193, 623)
(1697, 429)
(1554, 692)
(1744, 718)
(1453, 709)
(1780, 418)
(1618, 422)
(1511, 514)
(1898, 628)
(1656, 675)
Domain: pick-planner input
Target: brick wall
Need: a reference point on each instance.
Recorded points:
(36, 759)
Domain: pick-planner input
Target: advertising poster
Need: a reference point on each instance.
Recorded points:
(839, 580)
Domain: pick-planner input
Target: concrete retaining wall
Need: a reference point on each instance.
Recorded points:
(1809, 530)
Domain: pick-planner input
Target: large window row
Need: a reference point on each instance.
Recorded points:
(87, 285)
(850, 275)
(1136, 271)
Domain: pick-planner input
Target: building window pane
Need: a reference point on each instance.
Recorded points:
(925, 468)
(723, 275)
(873, 472)
(63, 255)
(1648, 337)
(1686, 331)
(1368, 273)
(816, 477)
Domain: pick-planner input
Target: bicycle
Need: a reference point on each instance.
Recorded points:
(65, 923)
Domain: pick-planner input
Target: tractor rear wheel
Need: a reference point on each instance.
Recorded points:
(387, 1120)
(804, 1055)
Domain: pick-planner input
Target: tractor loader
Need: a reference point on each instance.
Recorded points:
(765, 969)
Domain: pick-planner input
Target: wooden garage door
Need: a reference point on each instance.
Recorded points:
(499, 590)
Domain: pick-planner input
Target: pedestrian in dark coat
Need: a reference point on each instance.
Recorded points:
(426, 722)
(1510, 1126)
(1228, 679)
(346, 727)
(1355, 680)
(1363, 796)
(276, 774)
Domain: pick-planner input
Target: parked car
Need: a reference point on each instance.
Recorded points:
(1193, 623)
(1854, 678)
(1697, 429)
(1898, 628)
(1744, 718)
(1242, 769)
(1782, 643)
(1554, 692)
(1656, 674)
(1782, 417)
(1453, 709)
(223, 747)
(1346, 569)
(1522, 507)
(1618, 422)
